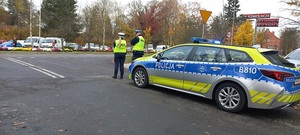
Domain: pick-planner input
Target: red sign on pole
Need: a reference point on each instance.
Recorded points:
(267, 22)
(255, 16)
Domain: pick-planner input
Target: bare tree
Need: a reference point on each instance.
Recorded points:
(289, 40)
(294, 9)
(219, 28)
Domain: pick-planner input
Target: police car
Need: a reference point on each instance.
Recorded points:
(235, 77)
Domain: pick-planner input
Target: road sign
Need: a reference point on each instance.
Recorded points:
(267, 22)
(205, 15)
(267, 25)
(255, 16)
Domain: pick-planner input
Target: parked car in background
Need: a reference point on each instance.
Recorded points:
(104, 48)
(294, 57)
(96, 47)
(93, 47)
(48, 42)
(150, 48)
(129, 48)
(86, 46)
(73, 46)
(1, 41)
(21, 42)
(10, 44)
(36, 41)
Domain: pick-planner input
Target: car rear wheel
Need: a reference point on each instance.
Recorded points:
(140, 77)
(230, 97)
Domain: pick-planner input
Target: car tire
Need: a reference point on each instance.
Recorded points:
(140, 77)
(230, 97)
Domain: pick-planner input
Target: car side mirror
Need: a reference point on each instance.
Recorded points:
(287, 57)
(158, 57)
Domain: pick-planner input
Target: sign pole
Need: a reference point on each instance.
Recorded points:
(255, 29)
(203, 30)
(205, 15)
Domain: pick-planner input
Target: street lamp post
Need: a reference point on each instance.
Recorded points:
(30, 25)
(40, 23)
(233, 18)
(18, 21)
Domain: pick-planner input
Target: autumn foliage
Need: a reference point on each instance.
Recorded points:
(244, 35)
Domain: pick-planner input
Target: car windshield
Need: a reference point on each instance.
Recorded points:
(29, 41)
(48, 41)
(276, 59)
(70, 44)
(91, 44)
(295, 55)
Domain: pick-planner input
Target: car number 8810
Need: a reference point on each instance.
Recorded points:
(247, 70)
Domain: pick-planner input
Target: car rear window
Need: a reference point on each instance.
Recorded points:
(276, 59)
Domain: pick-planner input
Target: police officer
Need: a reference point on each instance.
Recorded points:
(138, 44)
(15, 42)
(119, 55)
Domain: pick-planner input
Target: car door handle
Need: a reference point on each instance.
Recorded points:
(179, 65)
(215, 68)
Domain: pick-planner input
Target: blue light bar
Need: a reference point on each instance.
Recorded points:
(214, 41)
(199, 40)
(203, 40)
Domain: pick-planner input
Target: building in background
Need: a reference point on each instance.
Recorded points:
(271, 41)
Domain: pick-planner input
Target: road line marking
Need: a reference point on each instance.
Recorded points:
(42, 70)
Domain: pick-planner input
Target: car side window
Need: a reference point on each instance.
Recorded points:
(238, 56)
(177, 53)
(209, 54)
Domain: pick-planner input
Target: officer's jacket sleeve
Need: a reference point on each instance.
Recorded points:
(134, 41)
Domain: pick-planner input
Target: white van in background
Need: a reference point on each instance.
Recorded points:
(36, 41)
(47, 43)
(161, 47)
(150, 48)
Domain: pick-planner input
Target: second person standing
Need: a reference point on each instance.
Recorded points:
(138, 44)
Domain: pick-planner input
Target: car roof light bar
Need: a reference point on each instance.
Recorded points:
(203, 40)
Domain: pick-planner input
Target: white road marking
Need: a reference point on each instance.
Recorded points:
(42, 70)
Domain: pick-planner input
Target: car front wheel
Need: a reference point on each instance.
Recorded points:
(230, 97)
(140, 77)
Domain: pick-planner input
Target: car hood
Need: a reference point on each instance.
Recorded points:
(143, 58)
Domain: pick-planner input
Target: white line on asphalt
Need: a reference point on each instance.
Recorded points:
(42, 70)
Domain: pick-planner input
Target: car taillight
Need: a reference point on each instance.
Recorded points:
(277, 75)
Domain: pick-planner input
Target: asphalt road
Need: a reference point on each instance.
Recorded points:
(74, 94)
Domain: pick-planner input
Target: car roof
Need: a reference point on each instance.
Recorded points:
(234, 47)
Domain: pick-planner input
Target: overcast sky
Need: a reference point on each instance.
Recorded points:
(247, 7)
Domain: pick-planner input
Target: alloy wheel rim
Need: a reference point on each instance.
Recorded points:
(139, 78)
(229, 97)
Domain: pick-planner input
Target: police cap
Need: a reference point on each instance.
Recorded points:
(138, 31)
(121, 34)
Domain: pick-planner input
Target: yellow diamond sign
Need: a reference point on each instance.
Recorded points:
(205, 15)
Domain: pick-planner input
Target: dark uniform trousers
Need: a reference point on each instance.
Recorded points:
(137, 54)
(119, 59)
